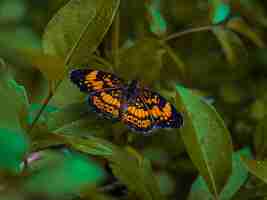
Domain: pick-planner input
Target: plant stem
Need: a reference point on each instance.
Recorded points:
(115, 40)
(185, 32)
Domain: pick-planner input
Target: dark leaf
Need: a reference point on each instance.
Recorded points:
(129, 166)
(240, 26)
(256, 167)
(143, 61)
(207, 140)
(237, 179)
(230, 42)
(260, 139)
(78, 28)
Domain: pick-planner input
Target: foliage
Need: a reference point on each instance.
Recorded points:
(206, 57)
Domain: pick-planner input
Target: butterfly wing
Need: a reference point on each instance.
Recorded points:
(105, 90)
(163, 112)
(135, 114)
(107, 103)
(93, 81)
(148, 111)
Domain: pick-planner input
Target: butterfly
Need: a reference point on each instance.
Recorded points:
(141, 109)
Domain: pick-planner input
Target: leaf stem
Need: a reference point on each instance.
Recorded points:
(115, 40)
(187, 31)
(46, 101)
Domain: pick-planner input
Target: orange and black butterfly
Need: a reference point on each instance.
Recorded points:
(139, 108)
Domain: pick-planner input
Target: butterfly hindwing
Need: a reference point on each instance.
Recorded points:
(136, 116)
(162, 111)
(148, 110)
(107, 103)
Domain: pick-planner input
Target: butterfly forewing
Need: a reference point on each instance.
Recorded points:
(105, 90)
(92, 81)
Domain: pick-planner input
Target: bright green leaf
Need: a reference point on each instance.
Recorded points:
(207, 140)
(158, 24)
(66, 174)
(220, 11)
(13, 147)
(77, 29)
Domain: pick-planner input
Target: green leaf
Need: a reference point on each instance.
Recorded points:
(127, 165)
(77, 29)
(90, 145)
(41, 138)
(136, 173)
(13, 112)
(20, 37)
(260, 139)
(240, 26)
(51, 66)
(220, 10)
(66, 115)
(13, 148)
(77, 119)
(34, 109)
(237, 179)
(199, 194)
(12, 10)
(142, 61)
(158, 24)
(207, 140)
(67, 94)
(256, 167)
(230, 42)
(67, 174)
(253, 10)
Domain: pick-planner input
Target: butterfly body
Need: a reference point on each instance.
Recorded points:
(139, 108)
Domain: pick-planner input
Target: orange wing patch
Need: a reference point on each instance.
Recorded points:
(91, 81)
(100, 104)
(163, 113)
(107, 98)
(137, 122)
(138, 112)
